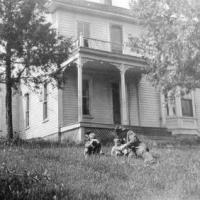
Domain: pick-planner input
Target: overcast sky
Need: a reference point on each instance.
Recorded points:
(121, 3)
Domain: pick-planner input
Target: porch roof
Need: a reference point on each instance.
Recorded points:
(137, 64)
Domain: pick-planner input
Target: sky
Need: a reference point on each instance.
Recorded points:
(121, 3)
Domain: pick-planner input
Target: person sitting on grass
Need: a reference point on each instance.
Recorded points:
(116, 151)
(137, 148)
(92, 145)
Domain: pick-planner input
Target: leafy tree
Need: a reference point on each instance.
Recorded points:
(31, 51)
(172, 30)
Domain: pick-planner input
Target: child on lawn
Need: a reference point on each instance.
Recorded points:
(92, 146)
(116, 151)
(137, 148)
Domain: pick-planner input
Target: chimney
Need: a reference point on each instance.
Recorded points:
(108, 2)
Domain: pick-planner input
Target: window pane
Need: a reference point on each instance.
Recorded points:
(86, 96)
(45, 100)
(45, 112)
(45, 92)
(86, 106)
(27, 119)
(84, 28)
(187, 107)
(27, 110)
(116, 38)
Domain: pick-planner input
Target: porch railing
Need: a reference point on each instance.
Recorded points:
(102, 45)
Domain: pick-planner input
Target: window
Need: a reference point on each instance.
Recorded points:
(86, 98)
(116, 38)
(27, 111)
(187, 109)
(170, 105)
(45, 102)
(84, 28)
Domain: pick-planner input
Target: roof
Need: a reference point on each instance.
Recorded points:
(91, 5)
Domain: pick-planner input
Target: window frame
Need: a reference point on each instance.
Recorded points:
(89, 80)
(45, 102)
(85, 41)
(122, 39)
(170, 105)
(189, 99)
(27, 110)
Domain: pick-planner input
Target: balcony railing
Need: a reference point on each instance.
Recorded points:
(118, 48)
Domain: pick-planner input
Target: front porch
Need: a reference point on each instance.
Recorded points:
(101, 91)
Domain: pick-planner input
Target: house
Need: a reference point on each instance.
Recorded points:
(103, 82)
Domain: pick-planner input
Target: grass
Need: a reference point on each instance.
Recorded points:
(176, 176)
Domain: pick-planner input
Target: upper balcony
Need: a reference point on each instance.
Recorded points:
(120, 49)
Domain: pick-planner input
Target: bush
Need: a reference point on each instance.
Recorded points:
(27, 186)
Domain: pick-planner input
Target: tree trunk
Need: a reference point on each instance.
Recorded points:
(9, 96)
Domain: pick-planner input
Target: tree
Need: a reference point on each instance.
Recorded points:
(172, 30)
(31, 51)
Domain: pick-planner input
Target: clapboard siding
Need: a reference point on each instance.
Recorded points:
(99, 27)
(2, 111)
(149, 104)
(133, 104)
(197, 105)
(102, 100)
(38, 127)
(70, 99)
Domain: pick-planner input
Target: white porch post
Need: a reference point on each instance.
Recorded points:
(163, 109)
(124, 101)
(178, 108)
(80, 91)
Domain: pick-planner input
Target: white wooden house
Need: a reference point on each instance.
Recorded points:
(103, 83)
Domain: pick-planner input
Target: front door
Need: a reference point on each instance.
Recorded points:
(116, 103)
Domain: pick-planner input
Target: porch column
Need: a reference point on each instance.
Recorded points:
(163, 109)
(124, 102)
(178, 108)
(80, 91)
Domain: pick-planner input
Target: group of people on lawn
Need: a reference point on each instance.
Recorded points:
(130, 146)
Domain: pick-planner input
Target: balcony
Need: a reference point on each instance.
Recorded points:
(111, 47)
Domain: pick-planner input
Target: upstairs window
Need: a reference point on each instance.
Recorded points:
(45, 102)
(84, 29)
(187, 106)
(86, 97)
(116, 38)
(27, 111)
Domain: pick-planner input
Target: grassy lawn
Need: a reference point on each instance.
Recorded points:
(176, 176)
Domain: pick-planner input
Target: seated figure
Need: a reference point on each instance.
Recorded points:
(135, 147)
(116, 151)
(92, 145)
